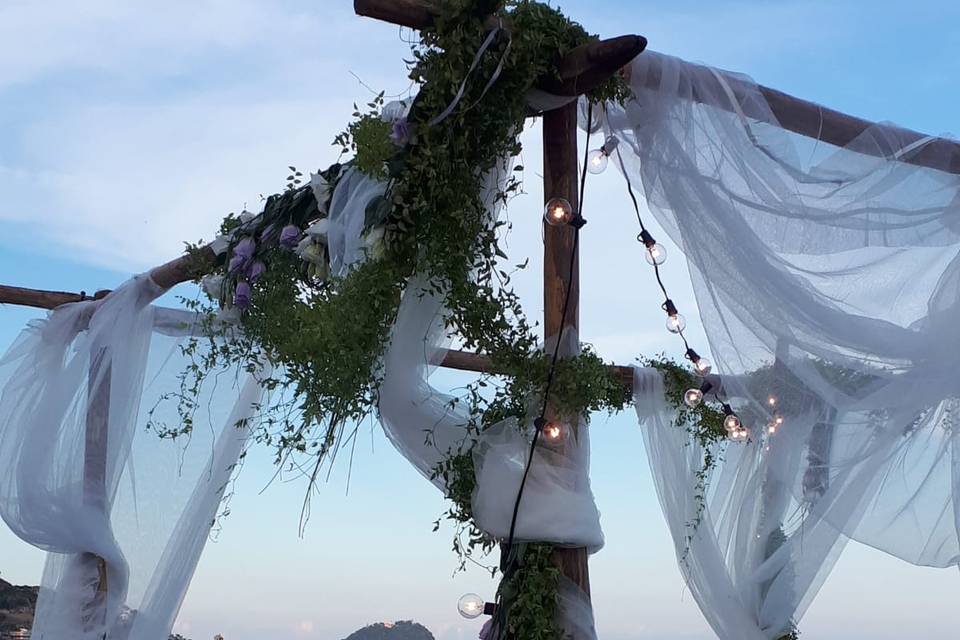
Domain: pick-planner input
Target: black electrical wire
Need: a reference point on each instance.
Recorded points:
(643, 229)
(539, 423)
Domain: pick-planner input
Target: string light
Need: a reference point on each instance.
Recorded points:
(771, 401)
(675, 322)
(692, 398)
(598, 159)
(701, 365)
(553, 432)
(656, 254)
(471, 606)
(558, 212)
(731, 423)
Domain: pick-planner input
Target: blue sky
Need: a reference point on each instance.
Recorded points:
(128, 128)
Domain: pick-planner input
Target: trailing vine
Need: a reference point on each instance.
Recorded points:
(323, 322)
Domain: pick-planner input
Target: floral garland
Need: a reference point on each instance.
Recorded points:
(325, 321)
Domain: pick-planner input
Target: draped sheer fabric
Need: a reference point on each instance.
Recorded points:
(827, 279)
(84, 479)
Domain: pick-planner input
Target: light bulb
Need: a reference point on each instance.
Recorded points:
(597, 161)
(778, 420)
(771, 401)
(553, 432)
(558, 212)
(772, 428)
(656, 254)
(703, 366)
(693, 397)
(471, 606)
(731, 423)
(676, 323)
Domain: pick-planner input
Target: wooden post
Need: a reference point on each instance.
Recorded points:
(96, 430)
(561, 268)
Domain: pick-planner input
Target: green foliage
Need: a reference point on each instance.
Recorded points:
(368, 137)
(530, 594)
(326, 336)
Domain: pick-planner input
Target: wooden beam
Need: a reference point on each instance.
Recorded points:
(415, 14)
(815, 121)
(459, 360)
(581, 70)
(561, 273)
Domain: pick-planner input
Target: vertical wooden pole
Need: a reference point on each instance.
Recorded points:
(97, 422)
(561, 268)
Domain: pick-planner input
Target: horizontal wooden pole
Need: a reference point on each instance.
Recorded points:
(581, 70)
(41, 299)
(834, 127)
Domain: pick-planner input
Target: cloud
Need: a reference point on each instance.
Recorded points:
(184, 112)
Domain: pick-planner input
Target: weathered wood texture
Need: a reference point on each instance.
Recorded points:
(793, 114)
(561, 269)
(581, 70)
(834, 127)
(561, 274)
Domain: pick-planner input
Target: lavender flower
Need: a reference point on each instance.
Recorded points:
(245, 248)
(242, 296)
(255, 270)
(266, 233)
(289, 236)
(402, 132)
(237, 263)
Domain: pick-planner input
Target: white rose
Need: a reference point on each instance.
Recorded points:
(319, 229)
(305, 242)
(321, 190)
(373, 241)
(393, 111)
(313, 254)
(212, 285)
(220, 244)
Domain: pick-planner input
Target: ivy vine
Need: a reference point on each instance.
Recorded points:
(325, 331)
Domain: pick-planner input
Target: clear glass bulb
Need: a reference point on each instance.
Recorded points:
(656, 254)
(471, 606)
(702, 366)
(597, 161)
(553, 432)
(771, 401)
(731, 423)
(693, 397)
(772, 428)
(676, 323)
(558, 212)
(778, 420)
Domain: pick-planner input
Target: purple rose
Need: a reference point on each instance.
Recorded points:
(289, 236)
(237, 263)
(255, 270)
(242, 296)
(402, 132)
(245, 248)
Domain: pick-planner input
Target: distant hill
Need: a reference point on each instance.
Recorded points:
(16, 606)
(403, 630)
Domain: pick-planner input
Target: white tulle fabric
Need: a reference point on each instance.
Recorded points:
(829, 279)
(81, 477)
(427, 425)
